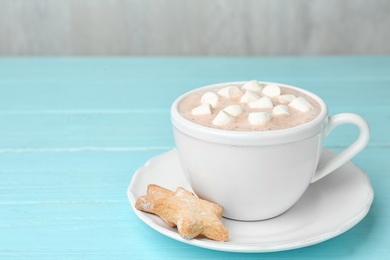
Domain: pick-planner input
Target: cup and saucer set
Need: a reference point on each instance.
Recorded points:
(270, 205)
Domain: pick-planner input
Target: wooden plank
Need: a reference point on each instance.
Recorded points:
(140, 130)
(46, 84)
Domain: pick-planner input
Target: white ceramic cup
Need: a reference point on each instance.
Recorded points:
(259, 175)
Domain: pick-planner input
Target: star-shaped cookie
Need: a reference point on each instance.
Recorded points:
(191, 215)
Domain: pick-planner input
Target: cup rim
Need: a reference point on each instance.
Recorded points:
(249, 138)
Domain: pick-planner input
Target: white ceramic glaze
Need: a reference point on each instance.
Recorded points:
(258, 175)
(327, 209)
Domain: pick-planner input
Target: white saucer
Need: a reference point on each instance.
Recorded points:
(328, 208)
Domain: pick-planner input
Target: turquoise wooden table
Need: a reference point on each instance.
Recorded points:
(74, 130)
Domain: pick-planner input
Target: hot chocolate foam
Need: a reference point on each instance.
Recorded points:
(249, 106)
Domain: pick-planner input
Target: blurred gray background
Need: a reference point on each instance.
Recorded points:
(194, 27)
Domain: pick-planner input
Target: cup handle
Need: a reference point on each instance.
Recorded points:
(361, 142)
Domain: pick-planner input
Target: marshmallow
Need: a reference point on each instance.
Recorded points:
(271, 90)
(230, 92)
(259, 118)
(204, 109)
(249, 96)
(252, 85)
(233, 110)
(223, 118)
(211, 98)
(280, 110)
(301, 104)
(285, 99)
(264, 102)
